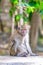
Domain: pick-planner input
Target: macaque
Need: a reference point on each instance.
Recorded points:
(21, 46)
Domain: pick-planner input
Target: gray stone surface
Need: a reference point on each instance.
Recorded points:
(15, 63)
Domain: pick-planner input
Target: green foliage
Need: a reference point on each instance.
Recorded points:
(23, 1)
(41, 5)
(41, 13)
(25, 19)
(30, 15)
(10, 13)
(38, 4)
(30, 9)
(34, 4)
(13, 7)
(12, 10)
(0, 10)
(0, 0)
(14, 2)
(17, 17)
(40, 41)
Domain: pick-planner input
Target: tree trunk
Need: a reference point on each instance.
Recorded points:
(21, 12)
(1, 26)
(13, 22)
(35, 25)
(12, 25)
